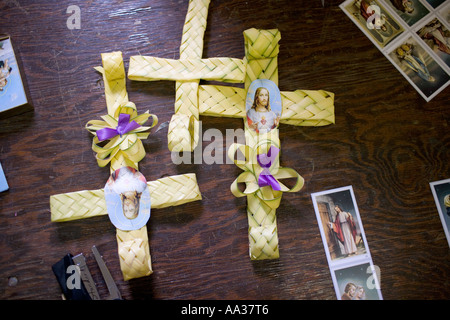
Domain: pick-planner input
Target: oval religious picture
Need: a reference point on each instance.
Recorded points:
(127, 199)
(263, 106)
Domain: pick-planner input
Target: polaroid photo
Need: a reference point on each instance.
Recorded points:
(357, 282)
(340, 225)
(436, 36)
(410, 11)
(373, 20)
(421, 70)
(13, 91)
(441, 194)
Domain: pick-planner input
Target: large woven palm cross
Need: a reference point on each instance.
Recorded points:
(300, 108)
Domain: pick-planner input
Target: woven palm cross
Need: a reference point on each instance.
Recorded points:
(123, 151)
(300, 108)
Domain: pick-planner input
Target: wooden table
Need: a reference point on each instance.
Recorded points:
(387, 143)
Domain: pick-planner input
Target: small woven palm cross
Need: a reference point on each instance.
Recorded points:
(124, 149)
(300, 108)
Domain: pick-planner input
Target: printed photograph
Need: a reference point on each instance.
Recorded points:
(435, 3)
(441, 194)
(358, 282)
(12, 92)
(437, 37)
(127, 199)
(263, 106)
(411, 11)
(340, 224)
(3, 183)
(444, 12)
(373, 19)
(419, 67)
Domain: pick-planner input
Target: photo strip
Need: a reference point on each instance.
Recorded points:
(345, 245)
(412, 34)
(441, 194)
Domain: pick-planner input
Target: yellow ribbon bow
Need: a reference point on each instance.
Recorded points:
(127, 145)
(252, 171)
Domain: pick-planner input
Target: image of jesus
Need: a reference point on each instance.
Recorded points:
(260, 117)
(345, 230)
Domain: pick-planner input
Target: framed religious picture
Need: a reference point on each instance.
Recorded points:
(14, 97)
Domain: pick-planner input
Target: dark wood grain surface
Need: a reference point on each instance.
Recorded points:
(387, 143)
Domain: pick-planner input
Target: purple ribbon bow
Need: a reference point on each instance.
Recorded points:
(265, 160)
(123, 126)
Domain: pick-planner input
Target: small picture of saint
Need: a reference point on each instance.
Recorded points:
(340, 224)
(127, 199)
(357, 282)
(263, 106)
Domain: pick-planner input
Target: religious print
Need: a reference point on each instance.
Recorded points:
(340, 224)
(411, 11)
(441, 193)
(444, 12)
(358, 282)
(349, 259)
(374, 20)
(419, 67)
(127, 199)
(437, 37)
(263, 106)
(435, 3)
(418, 41)
(12, 89)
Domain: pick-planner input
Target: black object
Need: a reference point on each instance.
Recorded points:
(60, 271)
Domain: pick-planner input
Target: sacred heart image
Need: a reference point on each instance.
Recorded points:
(263, 106)
(127, 199)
